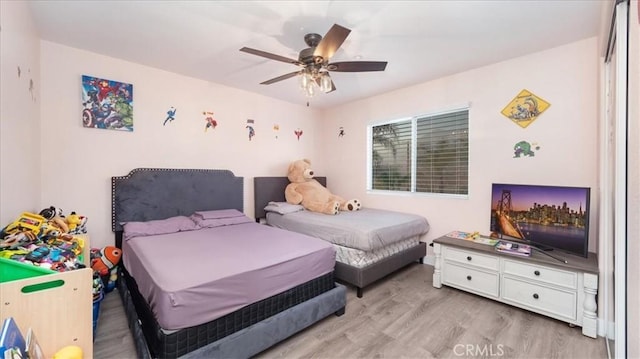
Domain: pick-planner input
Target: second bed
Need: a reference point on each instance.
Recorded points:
(369, 243)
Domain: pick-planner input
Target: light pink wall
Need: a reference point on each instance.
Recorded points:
(633, 186)
(565, 76)
(78, 162)
(19, 111)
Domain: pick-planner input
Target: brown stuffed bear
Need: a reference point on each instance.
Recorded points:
(313, 196)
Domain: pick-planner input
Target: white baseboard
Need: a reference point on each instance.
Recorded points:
(606, 330)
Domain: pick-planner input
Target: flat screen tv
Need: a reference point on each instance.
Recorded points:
(548, 217)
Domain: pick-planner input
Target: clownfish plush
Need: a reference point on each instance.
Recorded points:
(107, 258)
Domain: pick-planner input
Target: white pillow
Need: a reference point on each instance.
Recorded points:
(219, 213)
(283, 207)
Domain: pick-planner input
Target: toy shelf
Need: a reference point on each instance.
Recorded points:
(58, 307)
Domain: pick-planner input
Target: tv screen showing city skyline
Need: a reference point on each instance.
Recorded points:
(553, 216)
(523, 197)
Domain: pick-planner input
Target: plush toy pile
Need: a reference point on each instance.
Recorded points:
(48, 239)
(104, 263)
(313, 196)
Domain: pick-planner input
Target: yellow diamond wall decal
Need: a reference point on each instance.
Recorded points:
(525, 108)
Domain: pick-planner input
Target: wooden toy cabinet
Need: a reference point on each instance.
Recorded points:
(59, 316)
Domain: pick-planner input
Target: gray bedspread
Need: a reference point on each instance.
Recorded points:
(366, 229)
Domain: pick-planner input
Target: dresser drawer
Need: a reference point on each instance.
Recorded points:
(541, 273)
(471, 258)
(471, 279)
(553, 302)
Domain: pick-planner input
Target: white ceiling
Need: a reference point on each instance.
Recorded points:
(421, 40)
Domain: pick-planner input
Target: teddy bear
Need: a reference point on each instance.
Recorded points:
(313, 196)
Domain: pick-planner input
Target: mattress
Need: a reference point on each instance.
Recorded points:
(172, 344)
(193, 277)
(367, 229)
(360, 259)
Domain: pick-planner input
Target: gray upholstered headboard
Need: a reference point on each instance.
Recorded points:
(267, 189)
(156, 193)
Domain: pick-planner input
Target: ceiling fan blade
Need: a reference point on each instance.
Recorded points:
(280, 78)
(331, 42)
(269, 55)
(357, 66)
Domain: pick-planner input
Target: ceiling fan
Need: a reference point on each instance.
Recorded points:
(315, 64)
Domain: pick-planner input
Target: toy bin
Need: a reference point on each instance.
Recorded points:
(56, 305)
(11, 270)
(96, 313)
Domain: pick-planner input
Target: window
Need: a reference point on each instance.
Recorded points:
(425, 154)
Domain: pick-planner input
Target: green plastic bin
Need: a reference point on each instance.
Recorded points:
(11, 270)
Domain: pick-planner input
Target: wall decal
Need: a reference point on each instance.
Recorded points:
(107, 104)
(211, 122)
(525, 108)
(341, 132)
(298, 133)
(524, 148)
(31, 86)
(249, 126)
(276, 129)
(171, 115)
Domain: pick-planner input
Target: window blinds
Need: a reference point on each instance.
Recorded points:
(423, 154)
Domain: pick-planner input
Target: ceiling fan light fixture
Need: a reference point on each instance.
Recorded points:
(305, 80)
(314, 61)
(310, 89)
(325, 82)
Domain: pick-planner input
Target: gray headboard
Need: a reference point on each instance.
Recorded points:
(156, 193)
(267, 189)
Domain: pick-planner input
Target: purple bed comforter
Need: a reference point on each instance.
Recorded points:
(193, 277)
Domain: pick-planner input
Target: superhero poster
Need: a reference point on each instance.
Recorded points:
(107, 104)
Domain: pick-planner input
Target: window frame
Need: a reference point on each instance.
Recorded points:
(414, 135)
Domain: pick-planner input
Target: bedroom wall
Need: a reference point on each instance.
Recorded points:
(633, 186)
(566, 77)
(19, 111)
(78, 162)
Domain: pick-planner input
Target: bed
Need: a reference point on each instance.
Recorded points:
(200, 279)
(393, 238)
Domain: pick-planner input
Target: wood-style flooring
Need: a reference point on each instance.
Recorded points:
(402, 316)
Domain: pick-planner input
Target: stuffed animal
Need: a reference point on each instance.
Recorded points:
(73, 221)
(111, 280)
(69, 352)
(54, 216)
(313, 196)
(105, 259)
(51, 212)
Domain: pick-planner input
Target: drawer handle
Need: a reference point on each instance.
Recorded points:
(535, 296)
(468, 258)
(468, 277)
(536, 272)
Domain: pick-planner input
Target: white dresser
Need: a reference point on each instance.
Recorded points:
(541, 284)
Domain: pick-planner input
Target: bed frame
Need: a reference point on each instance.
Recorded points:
(268, 189)
(154, 193)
